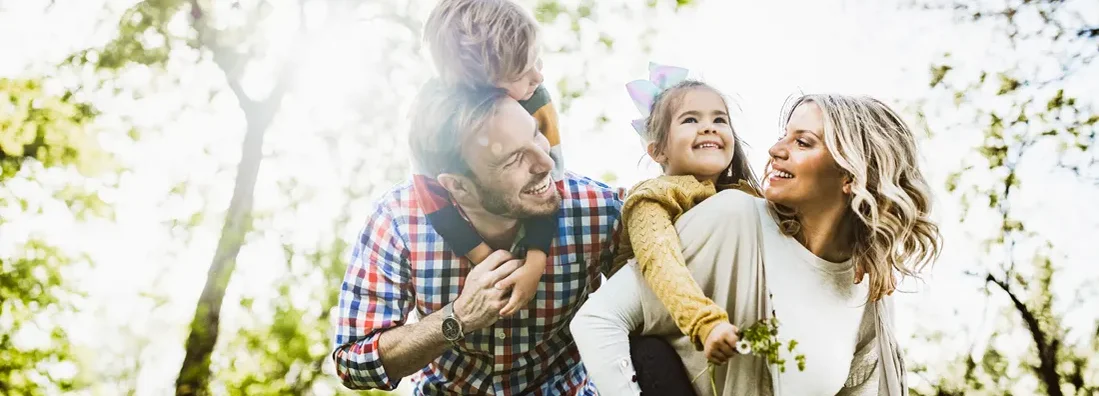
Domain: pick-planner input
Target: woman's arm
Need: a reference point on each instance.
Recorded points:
(602, 328)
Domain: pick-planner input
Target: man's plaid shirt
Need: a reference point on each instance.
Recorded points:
(401, 264)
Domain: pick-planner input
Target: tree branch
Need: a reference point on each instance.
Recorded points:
(1047, 352)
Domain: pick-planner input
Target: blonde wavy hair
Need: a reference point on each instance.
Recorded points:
(889, 201)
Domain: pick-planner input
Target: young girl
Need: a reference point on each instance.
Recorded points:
(687, 131)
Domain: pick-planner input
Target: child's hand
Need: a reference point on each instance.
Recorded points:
(720, 344)
(523, 282)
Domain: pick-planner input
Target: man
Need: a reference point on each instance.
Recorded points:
(486, 151)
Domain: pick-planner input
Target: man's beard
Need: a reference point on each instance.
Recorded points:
(507, 205)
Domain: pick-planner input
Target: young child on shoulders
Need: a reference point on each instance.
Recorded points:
(477, 43)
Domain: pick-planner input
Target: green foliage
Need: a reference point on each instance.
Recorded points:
(761, 339)
(285, 355)
(42, 132)
(143, 36)
(32, 288)
(53, 130)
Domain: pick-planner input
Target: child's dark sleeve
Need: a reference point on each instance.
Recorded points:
(455, 230)
(444, 217)
(541, 232)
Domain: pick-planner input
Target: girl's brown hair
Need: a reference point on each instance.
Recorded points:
(660, 121)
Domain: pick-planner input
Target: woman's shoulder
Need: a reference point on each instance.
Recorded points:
(731, 202)
(731, 211)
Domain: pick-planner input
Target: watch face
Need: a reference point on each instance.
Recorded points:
(451, 330)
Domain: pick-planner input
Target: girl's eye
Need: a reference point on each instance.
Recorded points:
(690, 120)
(720, 120)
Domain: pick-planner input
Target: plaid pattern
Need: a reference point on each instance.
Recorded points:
(401, 265)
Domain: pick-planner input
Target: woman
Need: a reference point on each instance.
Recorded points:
(845, 208)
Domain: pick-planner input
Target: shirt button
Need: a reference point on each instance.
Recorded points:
(500, 334)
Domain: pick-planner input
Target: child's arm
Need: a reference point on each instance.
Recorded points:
(524, 281)
(650, 213)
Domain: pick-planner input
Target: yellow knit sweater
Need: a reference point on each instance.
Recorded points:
(650, 212)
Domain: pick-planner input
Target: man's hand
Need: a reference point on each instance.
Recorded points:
(523, 282)
(720, 344)
(478, 306)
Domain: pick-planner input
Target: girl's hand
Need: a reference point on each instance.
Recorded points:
(720, 344)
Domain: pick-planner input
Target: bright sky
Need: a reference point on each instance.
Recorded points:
(759, 52)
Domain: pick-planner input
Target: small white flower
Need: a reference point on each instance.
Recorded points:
(743, 347)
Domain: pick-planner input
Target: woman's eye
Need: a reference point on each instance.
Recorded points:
(803, 143)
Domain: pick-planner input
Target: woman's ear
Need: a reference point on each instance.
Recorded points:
(659, 158)
(847, 182)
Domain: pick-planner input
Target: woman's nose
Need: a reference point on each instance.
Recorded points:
(777, 150)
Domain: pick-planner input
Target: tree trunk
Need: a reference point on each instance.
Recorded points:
(194, 373)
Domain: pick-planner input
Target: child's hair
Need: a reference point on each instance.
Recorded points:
(480, 42)
(660, 121)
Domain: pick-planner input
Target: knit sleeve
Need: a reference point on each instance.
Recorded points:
(650, 213)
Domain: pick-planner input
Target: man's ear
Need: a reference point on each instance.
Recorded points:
(459, 186)
(659, 158)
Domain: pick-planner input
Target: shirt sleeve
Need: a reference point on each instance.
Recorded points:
(376, 295)
(601, 330)
(650, 214)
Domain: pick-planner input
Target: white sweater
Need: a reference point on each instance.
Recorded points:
(818, 304)
(726, 240)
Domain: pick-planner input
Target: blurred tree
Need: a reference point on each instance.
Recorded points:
(232, 36)
(48, 149)
(1031, 102)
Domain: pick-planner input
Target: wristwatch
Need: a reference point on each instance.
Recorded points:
(452, 327)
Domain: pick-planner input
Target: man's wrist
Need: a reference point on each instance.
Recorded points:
(453, 328)
(457, 312)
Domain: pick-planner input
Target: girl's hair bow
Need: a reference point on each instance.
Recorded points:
(644, 92)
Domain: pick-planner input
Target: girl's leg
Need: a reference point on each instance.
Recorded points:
(659, 369)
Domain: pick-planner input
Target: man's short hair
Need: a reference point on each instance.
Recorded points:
(442, 119)
(480, 42)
